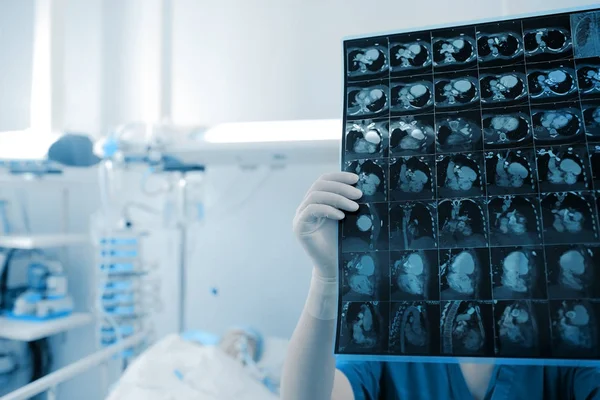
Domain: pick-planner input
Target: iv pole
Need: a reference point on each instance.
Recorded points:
(165, 112)
(182, 227)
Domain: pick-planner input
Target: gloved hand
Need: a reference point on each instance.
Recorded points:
(316, 220)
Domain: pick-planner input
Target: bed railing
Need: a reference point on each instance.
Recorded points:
(50, 382)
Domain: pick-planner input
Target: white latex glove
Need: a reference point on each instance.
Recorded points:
(316, 221)
(309, 372)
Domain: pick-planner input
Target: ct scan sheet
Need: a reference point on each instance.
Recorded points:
(478, 152)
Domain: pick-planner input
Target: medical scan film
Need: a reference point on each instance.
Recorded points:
(478, 154)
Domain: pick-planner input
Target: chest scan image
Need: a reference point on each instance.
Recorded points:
(367, 101)
(546, 40)
(515, 270)
(568, 220)
(411, 278)
(364, 223)
(360, 280)
(412, 180)
(565, 171)
(467, 334)
(510, 174)
(410, 55)
(412, 96)
(502, 88)
(367, 142)
(555, 82)
(461, 274)
(513, 222)
(505, 123)
(368, 60)
(451, 51)
(460, 91)
(517, 329)
(555, 124)
(572, 268)
(589, 79)
(368, 183)
(501, 45)
(363, 330)
(462, 224)
(575, 328)
(411, 136)
(502, 129)
(460, 177)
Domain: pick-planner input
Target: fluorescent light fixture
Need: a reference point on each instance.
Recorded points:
(26, 144)
(275, 131)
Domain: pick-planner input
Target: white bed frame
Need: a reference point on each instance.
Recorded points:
(49, 383)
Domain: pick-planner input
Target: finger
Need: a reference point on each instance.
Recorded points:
(343, 189)
(342, 177)
(313, 211)
(329, 199)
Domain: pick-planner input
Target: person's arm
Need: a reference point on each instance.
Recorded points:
(309, 371)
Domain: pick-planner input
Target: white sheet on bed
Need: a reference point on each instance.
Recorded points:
(175, 369)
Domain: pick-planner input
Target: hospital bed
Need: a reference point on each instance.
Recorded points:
(240, 365)
(191, 365)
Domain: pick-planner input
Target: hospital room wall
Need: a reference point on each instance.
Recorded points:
(245, 266)
(112, 63)
(269, 60)
(16, 25)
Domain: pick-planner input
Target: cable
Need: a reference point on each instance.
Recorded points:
(4, 217)
(41, 357)
(23, 208)
(139, 206)
(259, 185)
(144, 185)
(239, 205)
(4, 278)
(103, 181)
(228, 188)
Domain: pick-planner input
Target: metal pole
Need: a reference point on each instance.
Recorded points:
(65, 222)
(182, 278)
(51, 395)
(182, 250)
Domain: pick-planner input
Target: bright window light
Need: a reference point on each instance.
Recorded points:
(26, 144)
(41, 79)
(33, 143)
(275, 131)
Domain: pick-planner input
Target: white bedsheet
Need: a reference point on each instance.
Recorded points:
(175, 369)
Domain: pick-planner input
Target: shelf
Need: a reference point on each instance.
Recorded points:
(42, 241)
(68, 178)
(28, 331)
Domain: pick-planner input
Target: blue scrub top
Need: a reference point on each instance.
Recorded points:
(420, 381)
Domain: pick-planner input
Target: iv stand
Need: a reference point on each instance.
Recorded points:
(182, 227)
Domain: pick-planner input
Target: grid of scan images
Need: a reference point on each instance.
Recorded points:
(478, 153)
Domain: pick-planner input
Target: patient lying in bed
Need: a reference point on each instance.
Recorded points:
(240, 365)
